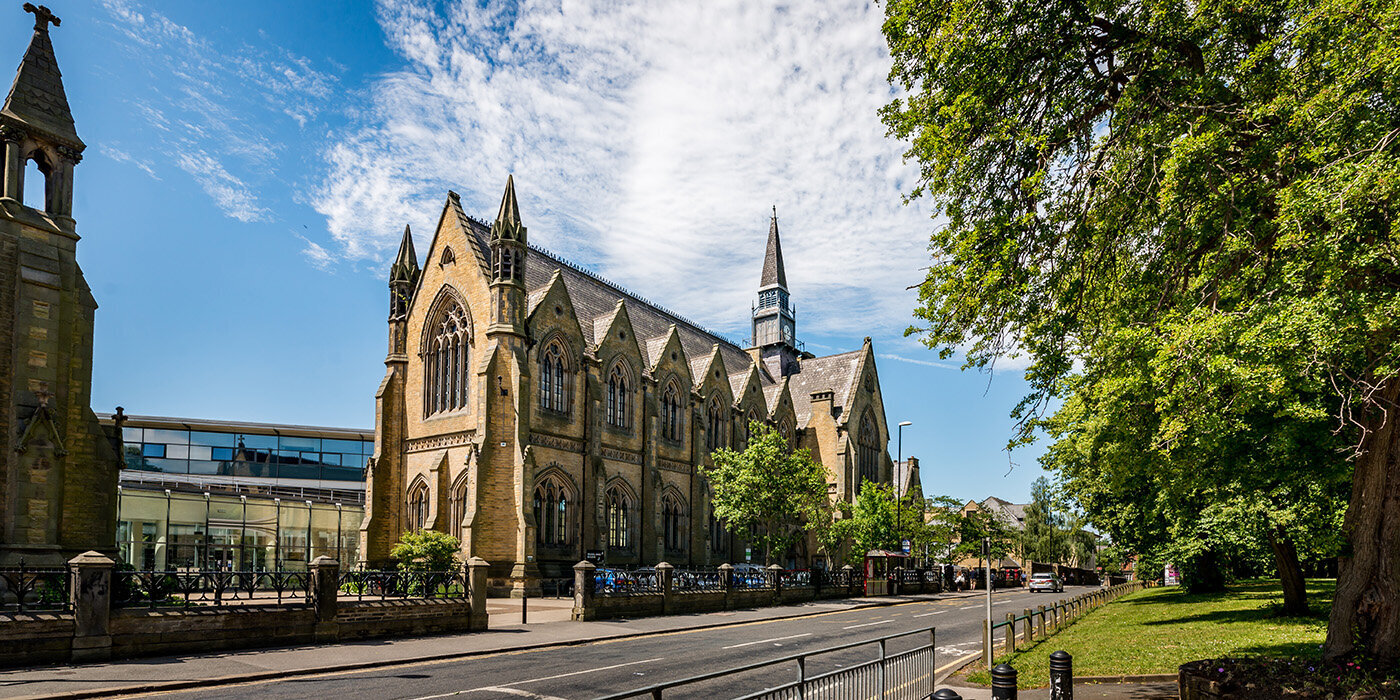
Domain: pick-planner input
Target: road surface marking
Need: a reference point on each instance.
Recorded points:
(936, 612)
(953, 664)
(765, 641)
(505, 686)
(969, 607)
(867, 624)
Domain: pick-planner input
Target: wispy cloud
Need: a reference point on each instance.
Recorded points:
(315, 254)
(649, 138)
(229, 193)
(213, 103)
(121, 156)
(916, 361)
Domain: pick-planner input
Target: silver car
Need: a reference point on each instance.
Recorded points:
(1046, 582)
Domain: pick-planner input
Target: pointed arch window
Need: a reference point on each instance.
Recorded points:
(446, 360)
(555, 378)
(719, 537)
(619, 517)
(747, 428)
(714, 424)
(672, 416)
(785, 431)
(620, 397)
(418, 507)
(868, 449)
(458, 508)
(551, 512)
(673, 522)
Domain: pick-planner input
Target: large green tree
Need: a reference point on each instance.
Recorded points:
(769, 490)
(1044, 535)
(1190, 172)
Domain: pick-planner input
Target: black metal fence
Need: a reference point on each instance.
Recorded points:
(906, 675)
(612, 581)
(157, 589)
(385, 585)
(26, 589)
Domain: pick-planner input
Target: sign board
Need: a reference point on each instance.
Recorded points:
(1171, 576)
(905, 545)
(593, 556)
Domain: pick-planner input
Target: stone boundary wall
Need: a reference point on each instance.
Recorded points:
(588, 605)
(96, 632)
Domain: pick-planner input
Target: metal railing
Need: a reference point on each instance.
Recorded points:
(25, 589)
(907, 675)
(401, 585)
(618, 582)
(154, 589)
(693, 581)
(1040, 623)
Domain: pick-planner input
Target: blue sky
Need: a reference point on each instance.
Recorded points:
(251, 165)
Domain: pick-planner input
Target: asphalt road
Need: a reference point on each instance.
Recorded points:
(605, 667)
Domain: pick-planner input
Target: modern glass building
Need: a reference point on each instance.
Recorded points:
(201, 494)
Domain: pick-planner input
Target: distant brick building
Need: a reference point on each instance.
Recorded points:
(58, 473)
(539, 412)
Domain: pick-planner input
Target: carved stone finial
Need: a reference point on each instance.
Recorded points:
(43, 17)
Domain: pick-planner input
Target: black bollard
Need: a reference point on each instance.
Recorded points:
(1061, 676)
(1003, 683)
(524, 607)
(946, 694)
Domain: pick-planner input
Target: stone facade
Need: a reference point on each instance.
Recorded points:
(539, 412)
(58, 472)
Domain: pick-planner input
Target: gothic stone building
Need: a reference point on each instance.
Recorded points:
(538, 412)
(58, 473)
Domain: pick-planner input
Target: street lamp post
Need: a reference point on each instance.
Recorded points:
(899, 497)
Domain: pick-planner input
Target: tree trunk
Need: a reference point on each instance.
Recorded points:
(1290, 572)
(1365, 618)
(1204, 574)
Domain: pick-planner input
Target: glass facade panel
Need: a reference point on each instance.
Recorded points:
(199, 451)
(177, 451)
(153, 450)
(351, 446)
(214, 439)
(221, 453)
(208, 466)
(259, 442)
(169, 466)
(174, 437)
(131, 434)
(299, 444)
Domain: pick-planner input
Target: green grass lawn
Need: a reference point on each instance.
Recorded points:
(1158, 629)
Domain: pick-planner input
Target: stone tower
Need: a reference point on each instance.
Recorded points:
(774, 320)
(58, 472)
(384, 481)
(505, 469)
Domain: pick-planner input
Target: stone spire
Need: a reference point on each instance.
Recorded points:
(405, 267)
(508, 224)
(773, 273)
(37, 101)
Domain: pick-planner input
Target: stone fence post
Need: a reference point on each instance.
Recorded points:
(583, 591)
(90, 592)
(665, 577)
(324, 593)
(850, 579)
(726, 583)
(476, 581)
(897, 582)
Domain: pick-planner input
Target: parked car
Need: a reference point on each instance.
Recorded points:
(1046, 582)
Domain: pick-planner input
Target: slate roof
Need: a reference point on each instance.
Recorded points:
(36, 99)
(905, 473)
(595, 301)
(833, 372)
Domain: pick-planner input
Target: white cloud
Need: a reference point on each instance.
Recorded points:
(649, 139)
(230, 194)
(121, 156)
(315, 254)
(214, 104)
(916, 361)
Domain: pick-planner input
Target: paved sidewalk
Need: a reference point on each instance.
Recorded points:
(1082, 691)
(194, 670)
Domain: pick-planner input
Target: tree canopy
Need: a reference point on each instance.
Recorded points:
(767, 489)
(1183, 212)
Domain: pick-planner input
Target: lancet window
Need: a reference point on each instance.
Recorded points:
(714, 424)
(554, 378)
(619, 517)
(672, 522)
(868, 449)
(418, 507)
(672, 416)
(551, 512)
(620, 397)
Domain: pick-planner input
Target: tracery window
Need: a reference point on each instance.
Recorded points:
(672, 422)
(620, 397)
(672, 522)
(554, 378)
(785, 431)
(868, 449)
(746, 429)
(418, 507)
(446, 361)
(551, 512)
(714, 424)
(619, 517)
